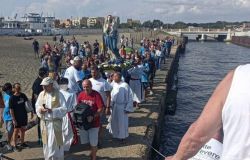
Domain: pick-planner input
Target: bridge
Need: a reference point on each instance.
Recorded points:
(203, 34)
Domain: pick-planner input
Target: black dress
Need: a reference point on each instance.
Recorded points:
(17, 103)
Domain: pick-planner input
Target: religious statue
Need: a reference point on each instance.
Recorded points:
(110, 35)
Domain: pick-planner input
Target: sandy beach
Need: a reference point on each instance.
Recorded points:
(17, 61)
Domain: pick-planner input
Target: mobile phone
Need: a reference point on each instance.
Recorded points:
(44, 106)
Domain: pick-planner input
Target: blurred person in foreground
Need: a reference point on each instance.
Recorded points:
(228, 108)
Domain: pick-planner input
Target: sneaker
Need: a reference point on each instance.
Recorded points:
(16, 149)
(9, 147)
(24, 145)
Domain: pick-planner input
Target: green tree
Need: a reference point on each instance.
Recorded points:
(157, 23)
(147, 24)
(124, 25)
(180, 25)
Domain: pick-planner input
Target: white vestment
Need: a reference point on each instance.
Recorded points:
(68, 135)
(121, 101)
(51, 150)
(135, 83)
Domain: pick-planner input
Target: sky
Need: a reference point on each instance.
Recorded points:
(168, 11)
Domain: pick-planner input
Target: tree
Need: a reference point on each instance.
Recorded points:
(136, 25)
(180, 25)
(157, 23)
(147, 24)
(123, 25)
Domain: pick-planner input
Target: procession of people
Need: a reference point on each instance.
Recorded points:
(111, 94)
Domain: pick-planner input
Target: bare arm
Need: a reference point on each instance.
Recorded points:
(13, 116)
(207, 125)
(108, 102)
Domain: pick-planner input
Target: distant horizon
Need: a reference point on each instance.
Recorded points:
(168, 11)
(20, 18)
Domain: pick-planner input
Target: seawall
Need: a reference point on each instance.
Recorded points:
(165, 82)
(241, 40)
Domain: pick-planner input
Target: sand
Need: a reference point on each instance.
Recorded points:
(17, 61)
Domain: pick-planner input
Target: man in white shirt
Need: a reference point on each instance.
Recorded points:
(100, 85)
(73, 75)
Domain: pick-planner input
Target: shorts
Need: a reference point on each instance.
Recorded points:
(21, 122)
(9, 127)
(89, 136)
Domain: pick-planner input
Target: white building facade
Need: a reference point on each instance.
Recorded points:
(35, 23)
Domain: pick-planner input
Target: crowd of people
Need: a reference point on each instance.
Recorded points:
(110, 94)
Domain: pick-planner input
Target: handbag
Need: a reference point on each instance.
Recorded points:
(28, 107)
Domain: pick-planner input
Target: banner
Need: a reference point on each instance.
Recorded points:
(210, 151)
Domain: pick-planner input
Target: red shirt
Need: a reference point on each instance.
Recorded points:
(94, 100)
(123, 52)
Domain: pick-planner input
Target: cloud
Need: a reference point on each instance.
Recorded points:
(160, 10)
(61, 8)
(195, 9)
(165, 10)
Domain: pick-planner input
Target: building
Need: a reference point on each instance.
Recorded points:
(95, 21)
(57, 23)
(1, 21)
(132, 22)
(91, 22)
(66, 23)
(100, 21)
(11, 24)
(136, 22)
(80, 22)
(83, 22)
(246, 26)
(76, 22)
(35, 22)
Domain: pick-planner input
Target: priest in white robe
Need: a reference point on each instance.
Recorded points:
(122, 104)
(136, 73)
(51, 108)
(69, 131)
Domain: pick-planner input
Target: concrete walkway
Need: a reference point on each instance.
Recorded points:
(135, 147)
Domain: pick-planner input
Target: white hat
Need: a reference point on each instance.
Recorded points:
(77, 58)
(46, 81)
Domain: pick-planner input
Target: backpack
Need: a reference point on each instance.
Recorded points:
(81, 114)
